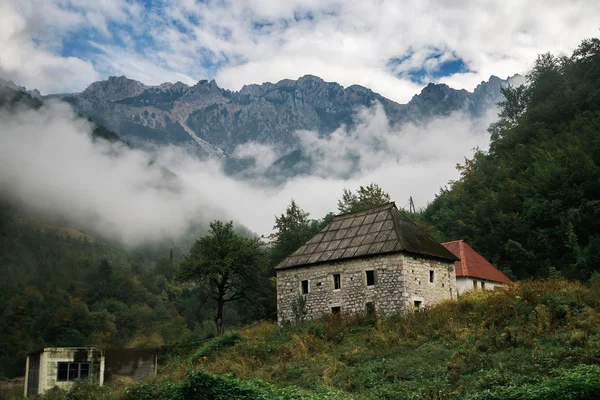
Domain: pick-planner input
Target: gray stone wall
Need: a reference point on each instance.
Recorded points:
(400, 279)
(417, 285)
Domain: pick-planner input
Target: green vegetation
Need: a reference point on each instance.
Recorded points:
(64, 287)
(531, 336)
(531, 202)
(365, 197)
(226, 264)
(536, 340)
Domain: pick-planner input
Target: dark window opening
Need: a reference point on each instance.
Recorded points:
(417, 305)
(304, 287)
(370, 277)
(71, 371)
(370, 308)
(483, 285)
(431, 276)
(336, 310)
(63, 372)
(337, 281)
(475, 284)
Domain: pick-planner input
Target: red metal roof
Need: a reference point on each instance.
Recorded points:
(472, 264)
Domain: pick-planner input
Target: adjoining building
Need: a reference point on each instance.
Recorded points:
(472, 270)
(375, 260)
(63, 366)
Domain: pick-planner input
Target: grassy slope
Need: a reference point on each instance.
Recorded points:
(482, 342)
(538, 340)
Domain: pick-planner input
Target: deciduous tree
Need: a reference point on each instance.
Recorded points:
(226, 264)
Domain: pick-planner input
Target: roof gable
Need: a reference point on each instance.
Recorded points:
(472, 264)
(375, 231)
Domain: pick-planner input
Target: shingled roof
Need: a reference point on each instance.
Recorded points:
(473, 264)
(375, 231)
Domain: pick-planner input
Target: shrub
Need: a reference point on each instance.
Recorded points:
(580, 383)
(216, 344)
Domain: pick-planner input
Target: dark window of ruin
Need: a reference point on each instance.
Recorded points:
(336, 310)
(304, 287)
(431, 276)
(71, 371)
(337, 281)
(417, 305)
(370, 277)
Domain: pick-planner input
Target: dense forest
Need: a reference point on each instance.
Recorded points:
(530, 204)
(63, 287)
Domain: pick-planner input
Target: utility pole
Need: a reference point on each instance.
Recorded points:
(411, 206)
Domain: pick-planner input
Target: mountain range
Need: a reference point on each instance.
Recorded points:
(212, 121)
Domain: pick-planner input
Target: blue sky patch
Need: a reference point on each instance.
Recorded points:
(423, 75)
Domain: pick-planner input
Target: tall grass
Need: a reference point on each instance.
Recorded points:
(483, 341)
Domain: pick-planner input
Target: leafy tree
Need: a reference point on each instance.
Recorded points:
(530, 204)
(365, 197)
(291, 230)
(227, 264)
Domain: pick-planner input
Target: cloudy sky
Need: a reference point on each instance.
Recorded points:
(393, 47)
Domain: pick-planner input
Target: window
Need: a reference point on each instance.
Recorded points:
(370, 308)
(431, 276)
(304, 287)
(417, 305)
(474, 284)
(336, 310)
(370, 275)
(71, 371)
(337, 281)
(483, 285)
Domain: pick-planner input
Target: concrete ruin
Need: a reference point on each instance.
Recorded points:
(63, 366)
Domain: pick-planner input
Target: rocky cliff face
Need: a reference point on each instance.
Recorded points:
(213, 121)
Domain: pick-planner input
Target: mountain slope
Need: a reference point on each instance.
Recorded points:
(530, 205)
(211, 121)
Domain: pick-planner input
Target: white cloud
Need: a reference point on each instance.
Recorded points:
(31, 64)
(251, 41)
(49, 164)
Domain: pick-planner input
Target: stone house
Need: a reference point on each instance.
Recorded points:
(375, 260)
(472, 270)
(63, 366)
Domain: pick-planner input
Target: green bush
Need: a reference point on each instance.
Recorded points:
(216, 344)
(580, 383)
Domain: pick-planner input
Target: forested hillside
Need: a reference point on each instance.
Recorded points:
(63, 287)
(532, 202)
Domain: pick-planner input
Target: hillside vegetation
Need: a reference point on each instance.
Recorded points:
(536, 340)
(531, 202)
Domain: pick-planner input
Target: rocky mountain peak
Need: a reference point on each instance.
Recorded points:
(204, 92)
(115, 88)
(11, 85)
(208, 117)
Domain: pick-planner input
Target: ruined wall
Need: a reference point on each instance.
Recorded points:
(50, 358)
(132, 363)
(397, 278)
